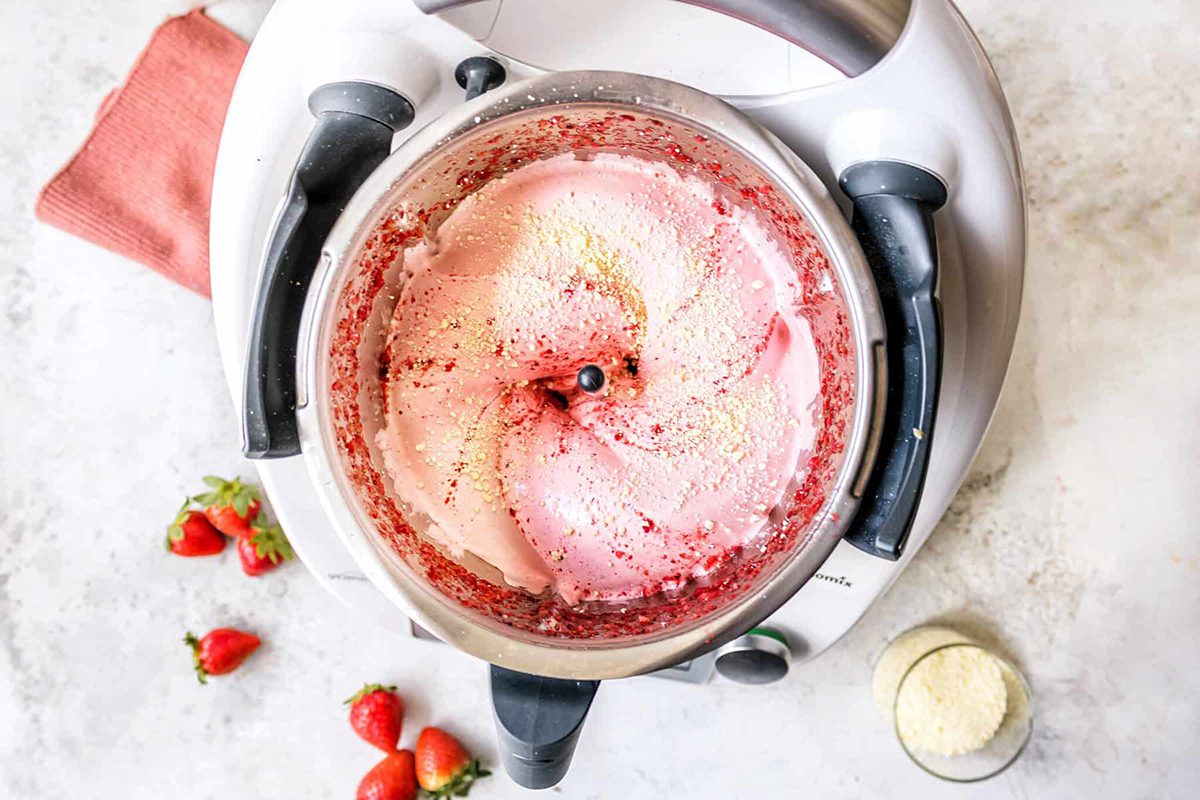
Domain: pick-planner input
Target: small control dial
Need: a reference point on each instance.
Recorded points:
(761, 655)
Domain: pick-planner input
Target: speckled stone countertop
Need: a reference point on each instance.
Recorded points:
(1074, 545)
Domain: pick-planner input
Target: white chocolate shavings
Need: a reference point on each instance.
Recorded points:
(952, 701)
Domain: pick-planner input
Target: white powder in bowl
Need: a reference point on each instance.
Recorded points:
(952, 701)
(904, 651)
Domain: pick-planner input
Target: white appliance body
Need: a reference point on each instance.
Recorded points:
(932, 101)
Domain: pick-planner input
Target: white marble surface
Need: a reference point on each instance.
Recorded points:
(1074, 545)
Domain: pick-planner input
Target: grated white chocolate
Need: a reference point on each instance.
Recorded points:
(952, 701)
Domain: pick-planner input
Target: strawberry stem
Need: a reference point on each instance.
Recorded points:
(175, 529)
(368, 688)
(270, 542)
(191, 641)
(232, 493)
(460, 785)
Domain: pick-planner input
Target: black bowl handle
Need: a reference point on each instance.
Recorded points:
(538, 721)
(893, 219)
(351, 137)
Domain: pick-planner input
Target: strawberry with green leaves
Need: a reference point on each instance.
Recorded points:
(231, 506)
(444, 767)
(264, 549)
(221, 651)
(191, 534)
(376, 713)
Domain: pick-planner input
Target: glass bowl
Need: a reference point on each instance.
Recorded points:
(1005, 745)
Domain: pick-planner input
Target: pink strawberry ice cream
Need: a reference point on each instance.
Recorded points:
(712, 388)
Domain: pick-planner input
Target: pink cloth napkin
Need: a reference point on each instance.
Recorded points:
(140, 184)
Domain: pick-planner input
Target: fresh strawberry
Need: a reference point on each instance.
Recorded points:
(230, 506)
(444, 767)
(391, 779)
(375, 714)
(220, 651)
(191, 534)
(264, 549)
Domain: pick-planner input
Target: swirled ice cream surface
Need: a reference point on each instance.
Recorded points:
(684, 302)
